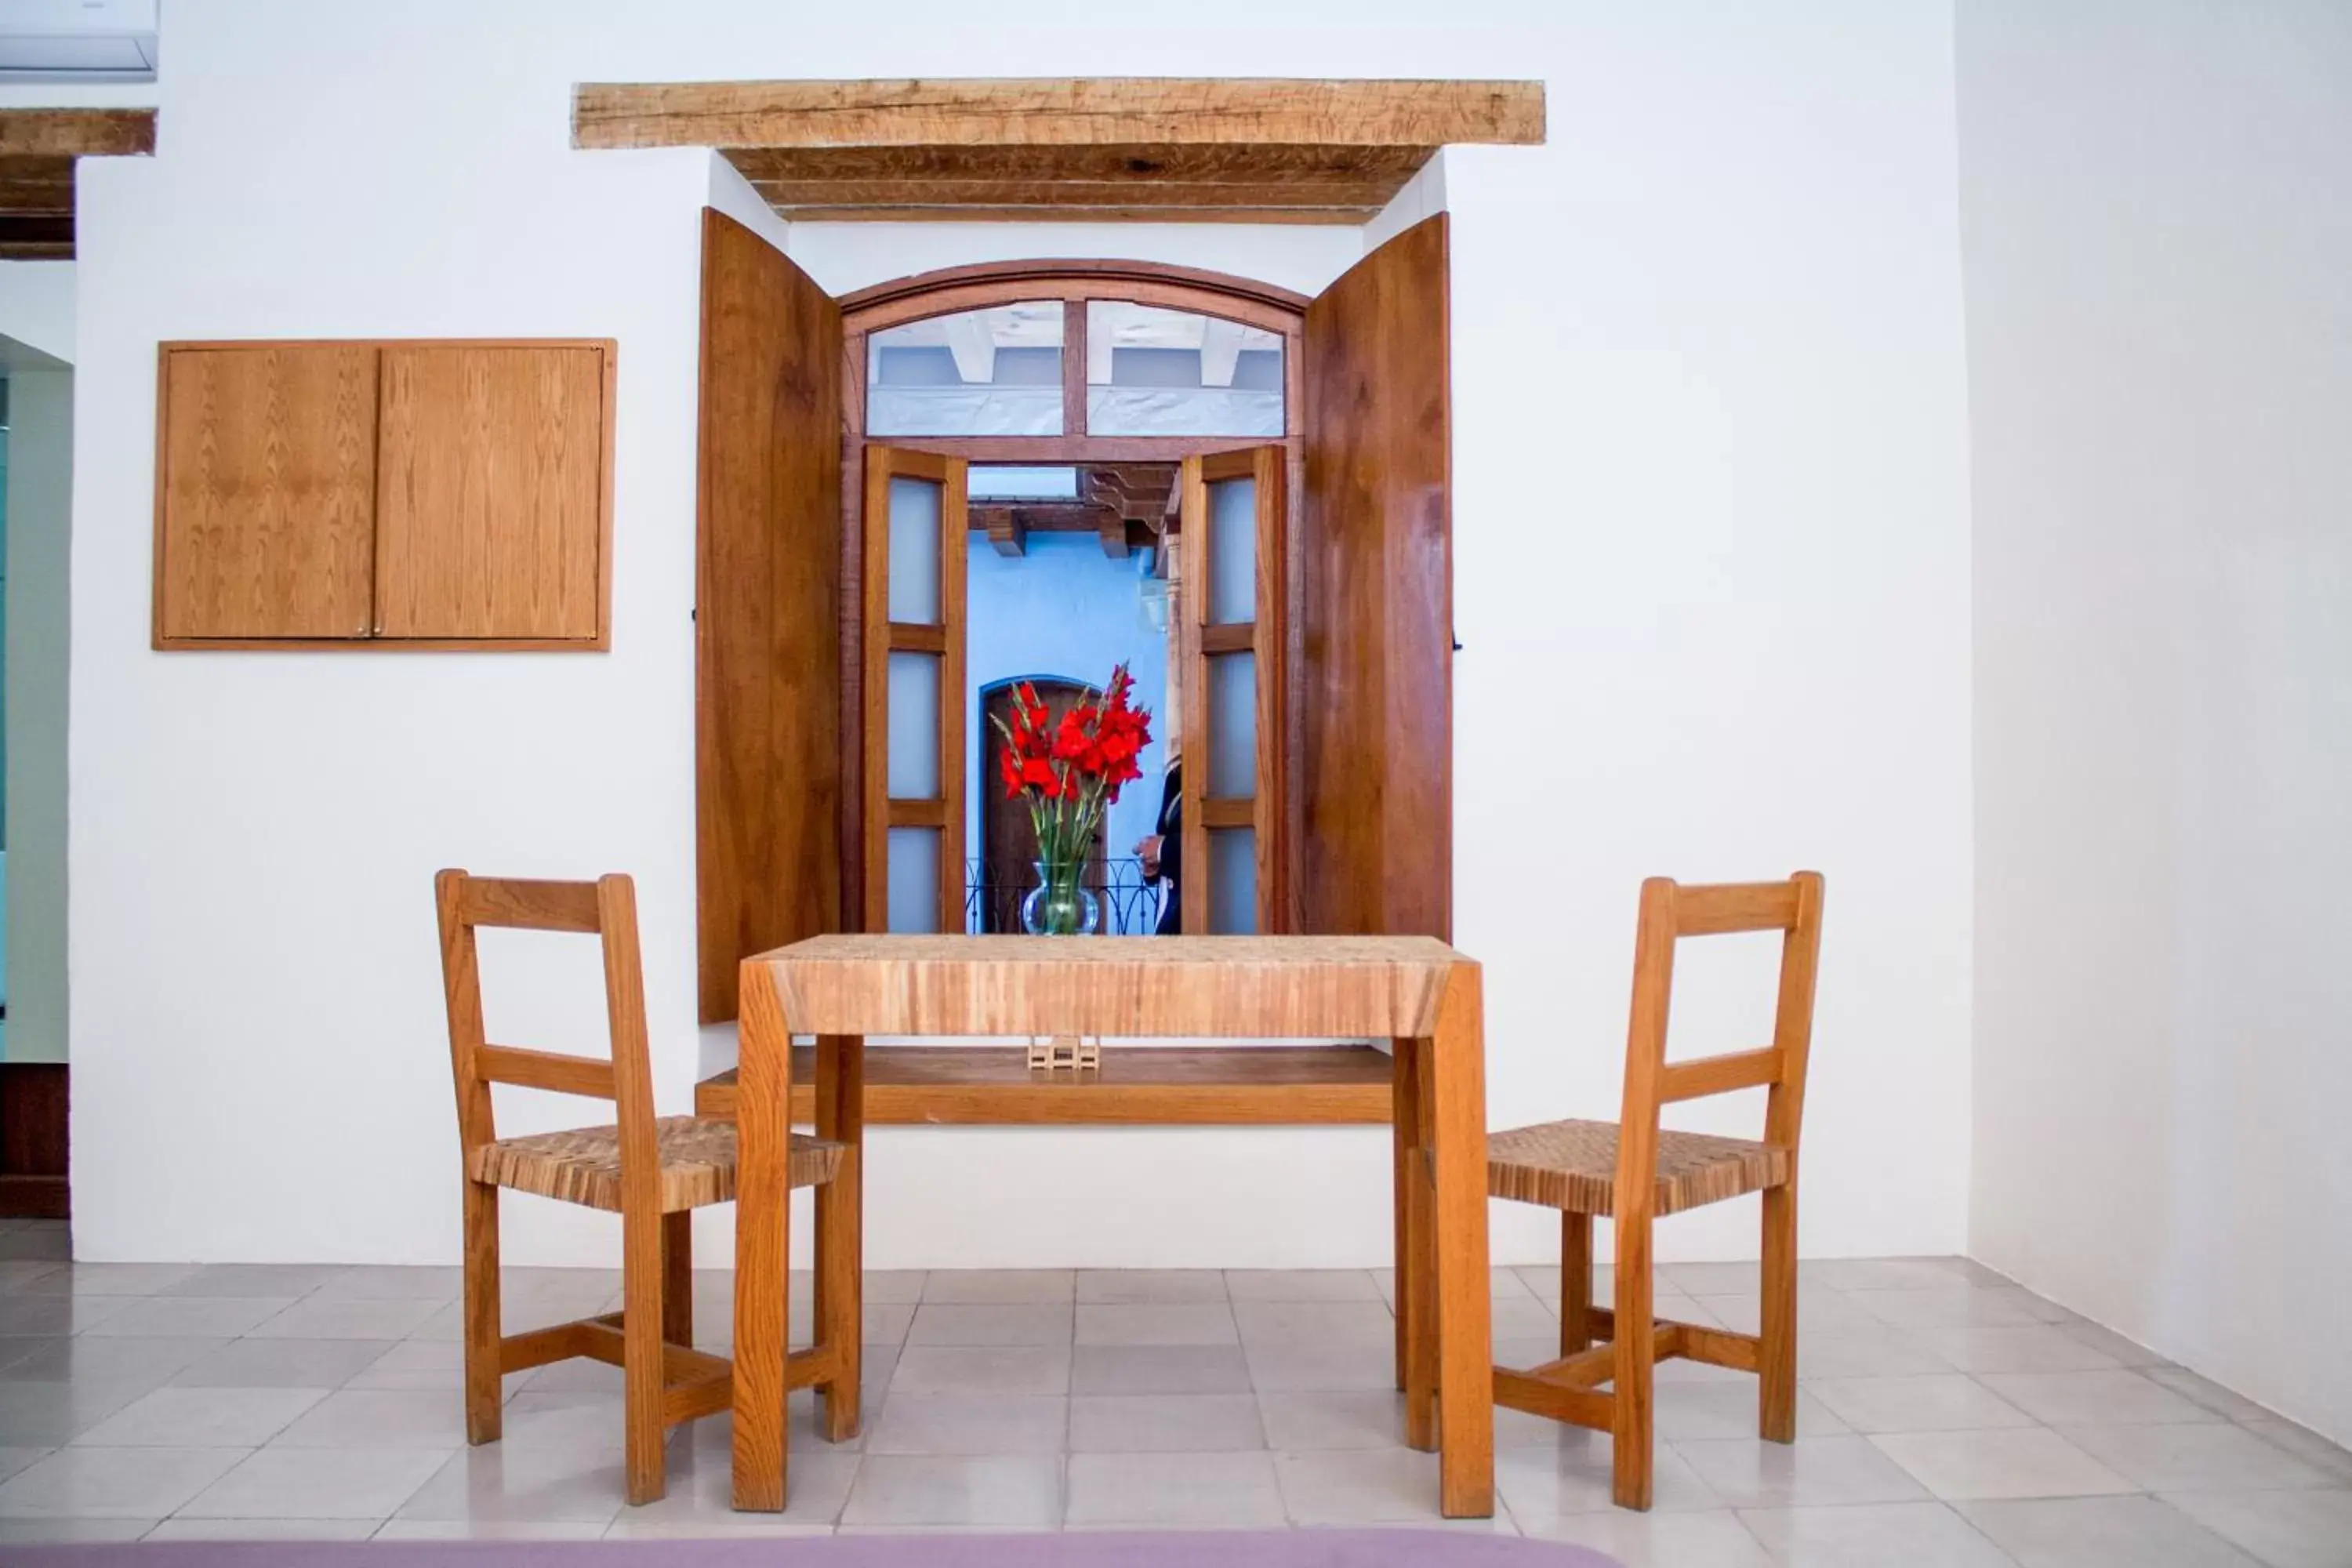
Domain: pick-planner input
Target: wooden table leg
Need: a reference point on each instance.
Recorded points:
(1416, 1296)
(762, 1251)
(1465, 1370)
(840, 1227)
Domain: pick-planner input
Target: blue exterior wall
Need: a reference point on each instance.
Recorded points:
(1064, 609)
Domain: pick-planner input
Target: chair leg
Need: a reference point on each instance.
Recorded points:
(678, 1277)
(1635, 1439)
(485, 1382)
(1776, 1398)
(1575, 1282)
(642, 1289)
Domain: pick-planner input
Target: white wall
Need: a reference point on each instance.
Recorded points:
(40, 497)
(2157, 197)
(1711, 520)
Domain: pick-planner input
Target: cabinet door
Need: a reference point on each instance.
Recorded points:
(1230, 642)
(493, 492)
(266, 507)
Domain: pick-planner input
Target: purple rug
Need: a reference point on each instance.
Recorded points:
(1272, 1549)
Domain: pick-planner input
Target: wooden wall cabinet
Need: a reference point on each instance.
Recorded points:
(402, 494)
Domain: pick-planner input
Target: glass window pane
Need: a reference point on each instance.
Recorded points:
(914, 714)
(1232, 881)
(1151, 371)
(1232, 725)
(1014, 481)
(915, 550)
(914, 879)
(1232, 551)
(996, 371)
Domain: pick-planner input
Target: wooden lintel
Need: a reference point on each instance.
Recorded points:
(1046, 209)
(1055, 112)
(76, 132)
(1113, 534)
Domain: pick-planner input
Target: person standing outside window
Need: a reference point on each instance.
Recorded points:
(1162, 853)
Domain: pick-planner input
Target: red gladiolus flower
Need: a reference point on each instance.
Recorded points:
(1070, 768)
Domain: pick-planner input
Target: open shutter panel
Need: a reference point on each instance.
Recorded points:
(768, 614)
(1230, 641)
(916, 515)
(1374, 554)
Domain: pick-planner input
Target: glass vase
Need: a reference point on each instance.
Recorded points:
(1058, 905)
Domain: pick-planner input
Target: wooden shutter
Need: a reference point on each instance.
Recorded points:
(492, 478)
(1374, 550)
(767, 609)
(931, 636)
(1230, 639)
(266, 508)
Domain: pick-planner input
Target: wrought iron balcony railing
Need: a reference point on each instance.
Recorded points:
(993, 891)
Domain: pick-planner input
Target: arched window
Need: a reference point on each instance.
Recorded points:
(1282, 461)
(1163, 401)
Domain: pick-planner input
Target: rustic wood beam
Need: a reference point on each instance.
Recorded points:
(1039, 517)
(37, 148)
(1134, 490)
(36, 237)
(1113, 533)
(1059, 211)
(76, 132)
(1054, 112)
(1004, 527)
(31, 184)
(1114, 165)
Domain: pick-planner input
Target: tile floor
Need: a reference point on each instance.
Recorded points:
(1948, 1419)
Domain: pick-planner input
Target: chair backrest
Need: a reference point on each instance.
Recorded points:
(606, 908)
(1671, 911)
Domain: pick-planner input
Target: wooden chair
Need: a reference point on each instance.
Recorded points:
(1633, 1172)
(650, 1171)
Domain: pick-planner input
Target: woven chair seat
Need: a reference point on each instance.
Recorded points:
(584, 1166)
(1573, 1165)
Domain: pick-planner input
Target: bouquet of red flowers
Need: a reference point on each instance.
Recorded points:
(1070, 771)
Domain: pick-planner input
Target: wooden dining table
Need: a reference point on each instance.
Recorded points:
(1416, 991)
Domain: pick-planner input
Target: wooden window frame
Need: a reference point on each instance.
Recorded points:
(951, 291)
(945, 811)
(600, 643)
(1202, 641)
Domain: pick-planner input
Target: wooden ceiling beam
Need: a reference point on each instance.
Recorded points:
(1055, 112)
(1166, 150)
(1004, 521)
(1046, 188)
(36, 236)
(1005, 528)
(37, 148)
(1062, 212)
(76, 132)
(1143, 491)
(1201, 164)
